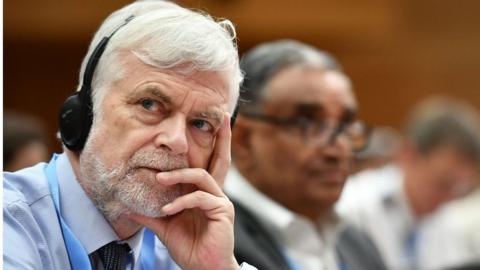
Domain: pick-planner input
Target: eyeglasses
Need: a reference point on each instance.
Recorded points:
(356, 133)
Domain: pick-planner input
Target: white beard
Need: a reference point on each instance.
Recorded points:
(129, 187)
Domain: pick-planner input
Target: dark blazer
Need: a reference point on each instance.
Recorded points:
(473, 266)
(255, 245)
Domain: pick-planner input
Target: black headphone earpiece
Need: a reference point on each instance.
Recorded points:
(233, 118)
(76, 114)
(74, 124)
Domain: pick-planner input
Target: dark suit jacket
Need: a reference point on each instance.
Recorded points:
(255, 245)
(474, 266)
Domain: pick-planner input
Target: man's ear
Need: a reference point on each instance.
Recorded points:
(241, 139)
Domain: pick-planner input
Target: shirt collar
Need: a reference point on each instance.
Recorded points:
(270, 213)
(82, 216)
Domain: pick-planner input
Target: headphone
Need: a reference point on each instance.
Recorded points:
(76, 115)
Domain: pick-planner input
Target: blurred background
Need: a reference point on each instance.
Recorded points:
(396, 51)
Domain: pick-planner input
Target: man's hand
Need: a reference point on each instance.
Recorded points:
(199, 230)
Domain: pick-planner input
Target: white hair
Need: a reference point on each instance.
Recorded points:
(167, 36)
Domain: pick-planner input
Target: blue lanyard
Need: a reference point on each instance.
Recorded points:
(77, 254)
(292, 264)
(410, 248)
(343, 265)
(295, 266)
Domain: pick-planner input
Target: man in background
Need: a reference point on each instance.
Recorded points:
(291, 146)
(24, 141)
(438, 162)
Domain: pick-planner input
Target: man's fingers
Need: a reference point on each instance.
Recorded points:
(196, 176)
(209, 204)
(221, 155)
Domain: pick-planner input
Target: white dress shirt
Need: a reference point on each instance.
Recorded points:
(455, 240)
(375, 200)
(306, 245)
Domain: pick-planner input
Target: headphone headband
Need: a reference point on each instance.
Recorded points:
(76, 114)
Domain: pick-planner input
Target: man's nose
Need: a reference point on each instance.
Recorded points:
(172, 135)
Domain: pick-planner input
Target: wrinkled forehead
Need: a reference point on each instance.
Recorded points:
(133, 71)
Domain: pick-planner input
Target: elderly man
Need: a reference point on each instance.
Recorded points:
(291, 147)
(397, 205)
(147, 142)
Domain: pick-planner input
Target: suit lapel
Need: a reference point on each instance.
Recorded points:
(254, 244)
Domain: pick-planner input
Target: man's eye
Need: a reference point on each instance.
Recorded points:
(202, 125)
(149, 104)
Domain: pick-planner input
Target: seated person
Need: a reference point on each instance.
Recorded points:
(24, 141)
(291, 146)
(396, 205)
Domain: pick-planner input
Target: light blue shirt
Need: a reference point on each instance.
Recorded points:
(32, 233)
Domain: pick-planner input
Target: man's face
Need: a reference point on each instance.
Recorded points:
(151, 120)
(296, 169)
(442, 175)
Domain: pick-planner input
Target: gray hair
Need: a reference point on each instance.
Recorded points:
(262, 62)
(444, 121)
(167, 36)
